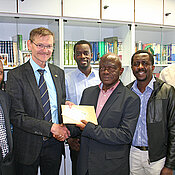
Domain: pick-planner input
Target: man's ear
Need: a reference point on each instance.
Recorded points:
(29, 45)
(121, 70)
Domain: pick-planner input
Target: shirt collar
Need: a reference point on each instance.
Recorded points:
(150, 85)
(36, 66)
(79, 73)
(110, 89)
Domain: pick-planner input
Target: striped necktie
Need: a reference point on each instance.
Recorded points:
(3, 134)
(44, 96)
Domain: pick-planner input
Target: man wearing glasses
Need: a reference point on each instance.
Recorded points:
(105, 147)
(37, 89)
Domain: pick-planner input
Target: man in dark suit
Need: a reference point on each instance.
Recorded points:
(6, 143)
(37, 90)
(104, 148)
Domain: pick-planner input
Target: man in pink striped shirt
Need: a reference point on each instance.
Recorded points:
(105, 147)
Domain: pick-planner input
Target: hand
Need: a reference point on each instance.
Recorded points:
(69, 103)
(60, 132)
(82, 125)
(74, 144)
(166, 171)
(59, 137)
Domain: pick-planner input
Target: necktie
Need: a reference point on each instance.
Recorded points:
(3, 134)
(44, 96)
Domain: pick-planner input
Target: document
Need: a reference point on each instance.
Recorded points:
(76, 113)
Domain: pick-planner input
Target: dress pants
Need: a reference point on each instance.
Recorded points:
(74, 158)
(140, 165)
(49, 160)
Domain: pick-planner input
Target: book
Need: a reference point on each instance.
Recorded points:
(95, 52)
(112, 44)
(15, 54)
(19, 41)
(66, 53)
(92, 44)
(71, 52)
(4, 59)
(74, 62)
(24, 45)
(120, 50)
(172, 52)
(101, 48)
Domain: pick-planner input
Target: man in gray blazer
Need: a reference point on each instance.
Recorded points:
(35, 113)
(104, 148)
(6, 143)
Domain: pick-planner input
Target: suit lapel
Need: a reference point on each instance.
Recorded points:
(7, 121)
(30, 76)
(113, 97)
(95, 97)
(57, 81)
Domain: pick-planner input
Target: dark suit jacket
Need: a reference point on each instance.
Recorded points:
(105, 148)
(27, 110)
(6, 164)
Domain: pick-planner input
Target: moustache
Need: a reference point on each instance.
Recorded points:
(141, 70)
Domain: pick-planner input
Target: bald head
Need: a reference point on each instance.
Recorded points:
(110, 68)
(1, 71)
(111, 57)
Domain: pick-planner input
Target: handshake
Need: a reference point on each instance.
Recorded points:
(60, 132)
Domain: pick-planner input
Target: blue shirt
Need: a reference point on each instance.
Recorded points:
(50, 87)
(140, 136)
(76, 82)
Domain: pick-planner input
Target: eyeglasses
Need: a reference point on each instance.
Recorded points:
(108, 68)
(41, 46)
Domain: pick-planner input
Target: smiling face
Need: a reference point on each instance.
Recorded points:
(83, 56)
(109, 70)
(41, 55)
(142, 68)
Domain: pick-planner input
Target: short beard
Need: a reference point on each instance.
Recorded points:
(142, 79)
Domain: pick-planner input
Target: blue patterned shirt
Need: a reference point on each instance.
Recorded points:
(140, 136)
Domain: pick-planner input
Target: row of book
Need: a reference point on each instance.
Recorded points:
(163, 54)
(15, 52)
(99, 48)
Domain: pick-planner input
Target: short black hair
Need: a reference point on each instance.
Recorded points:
(143, 51)
(83, 42)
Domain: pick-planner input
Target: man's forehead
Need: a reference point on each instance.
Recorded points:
(141, 55)
(84, 46)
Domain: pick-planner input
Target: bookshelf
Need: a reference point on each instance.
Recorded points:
(96, 32)
(70, 23)
(161, 40)
(91, 20)
(15, 33)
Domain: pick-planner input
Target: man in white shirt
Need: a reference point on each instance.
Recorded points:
(76, 81)
(168, 75)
